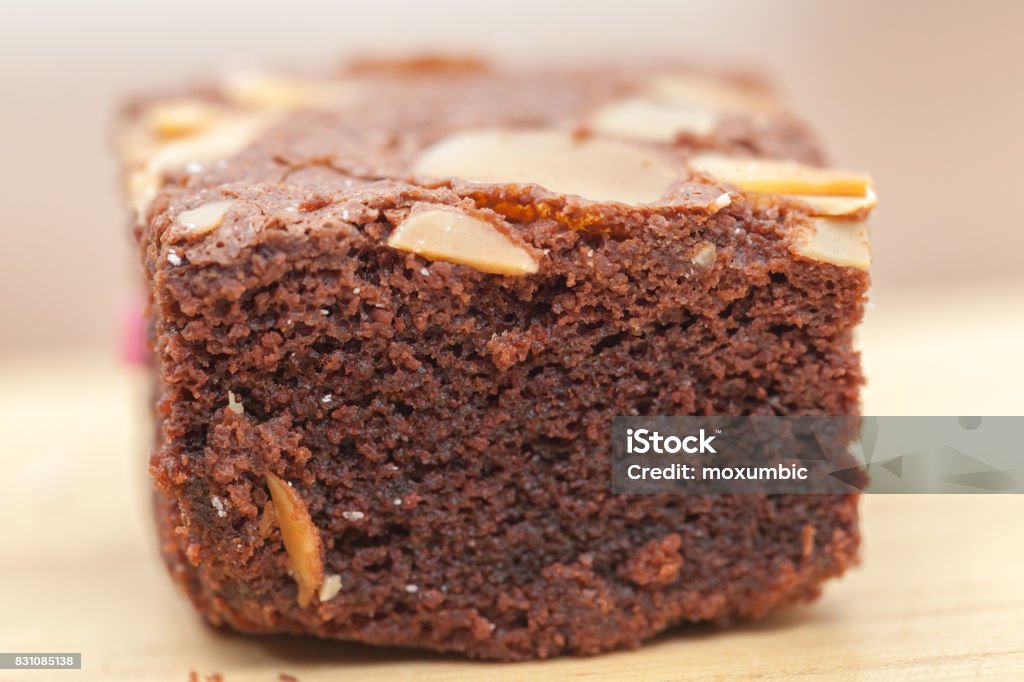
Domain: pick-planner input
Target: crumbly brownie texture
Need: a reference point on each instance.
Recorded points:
(388, 360)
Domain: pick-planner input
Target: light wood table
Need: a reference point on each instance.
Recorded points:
(940, 593)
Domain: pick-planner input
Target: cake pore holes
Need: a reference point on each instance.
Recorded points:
(536, 371)
(368, 272)
(428, 360)
(728, 311)
(323, 346)
(585, 327)
(639, 349)
(594, 240)
(519, 621)
(540, 313)
(347, 448)
(593, 168)
(398, 531)
(300, 329)
(366, 554)
(300, 536)
(781, 329)
(610, 341)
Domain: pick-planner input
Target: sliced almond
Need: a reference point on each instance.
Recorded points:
(676, 103)
(594, 168)
(703, 255)
(226, 137)
(234, 404)
(837, 207)
(177, 118)
(451, 235)
(840, 242)
(206, 218)
(781, 177)
(301, 538)
(264, 90)
(260, 89)
(711, 94)
(645, 119)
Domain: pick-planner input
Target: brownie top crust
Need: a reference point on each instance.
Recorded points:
(602, 150)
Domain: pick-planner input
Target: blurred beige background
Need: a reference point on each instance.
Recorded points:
(928, 96)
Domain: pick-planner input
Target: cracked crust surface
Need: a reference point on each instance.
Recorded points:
(446, 429)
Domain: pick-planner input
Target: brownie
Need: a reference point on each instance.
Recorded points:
(394, 308)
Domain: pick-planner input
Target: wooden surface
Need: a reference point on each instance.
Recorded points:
(939, 594)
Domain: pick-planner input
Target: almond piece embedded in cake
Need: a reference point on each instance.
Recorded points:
(331, 587)
(301, 538)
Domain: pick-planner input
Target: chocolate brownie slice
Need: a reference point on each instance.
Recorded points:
(395, 309)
